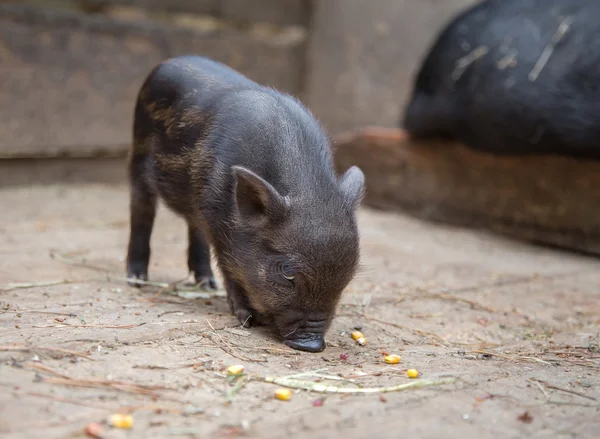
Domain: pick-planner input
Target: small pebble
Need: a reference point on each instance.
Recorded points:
(357, 327)
(318, 402)
(94, 430)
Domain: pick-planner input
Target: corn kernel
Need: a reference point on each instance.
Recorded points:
(392, 359)
(357, 334)
(121, 421)
(283, 394)
(412, 373)
(235, 370)
(362, 341)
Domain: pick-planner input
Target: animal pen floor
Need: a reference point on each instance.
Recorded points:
(517, 324)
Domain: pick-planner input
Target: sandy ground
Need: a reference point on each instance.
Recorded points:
(517, 324)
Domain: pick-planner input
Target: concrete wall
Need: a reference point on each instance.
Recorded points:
(70, 69)
(363, 54)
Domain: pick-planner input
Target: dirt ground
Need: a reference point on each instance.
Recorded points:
(518, 325)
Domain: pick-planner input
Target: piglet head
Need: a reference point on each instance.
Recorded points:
(296, 255)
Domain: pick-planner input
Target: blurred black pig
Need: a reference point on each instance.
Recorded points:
(514, 77)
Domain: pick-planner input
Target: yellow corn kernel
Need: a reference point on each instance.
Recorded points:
(412, 373)
(283, 394)
(357, 334)
(392, 359)
(121, 421)
(235, 370)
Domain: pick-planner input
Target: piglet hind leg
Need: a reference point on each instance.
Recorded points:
(238, 304)
(199, 259)
(142, 214)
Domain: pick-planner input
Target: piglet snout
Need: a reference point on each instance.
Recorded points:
(310, 343)
(308, 336)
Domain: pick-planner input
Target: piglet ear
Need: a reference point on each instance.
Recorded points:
(352, 185)
(257, 202)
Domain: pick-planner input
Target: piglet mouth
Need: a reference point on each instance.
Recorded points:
(309, 337)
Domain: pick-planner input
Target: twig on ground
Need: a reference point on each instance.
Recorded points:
(277, 350)
(546, 396)
(574, 404)
(51, 313)
(66, 325)
(169, 288)
(511, 357)
(142, 282)
(170, 312)
(543, 390)
(26, 285)
(138, 389)
(308, 373)
(230, 350)
(336, 378)
(579, 363)
(177, 366)
(425, 315)
(41, 368)
(94, 384)
(561, 389)
(23, 348)
(386, 371)
(232, 391)
(581, 360)
(152, 367)
(294, 383)
(152, 407)
(317, 374)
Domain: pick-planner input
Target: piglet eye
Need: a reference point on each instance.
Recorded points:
(287, 271)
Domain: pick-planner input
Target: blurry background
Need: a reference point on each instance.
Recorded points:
(70, 69)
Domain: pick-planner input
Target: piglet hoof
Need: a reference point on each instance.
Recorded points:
(207, 283)
(136, 273)
(245, 317)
